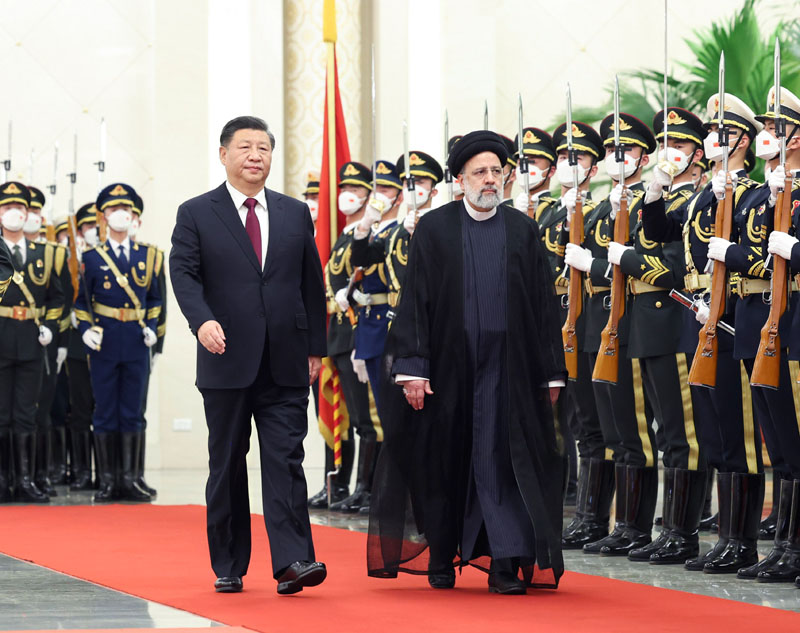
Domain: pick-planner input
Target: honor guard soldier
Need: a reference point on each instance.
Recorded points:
(538, 147)
(161, 328)
(653, 270)
(509, 170)
(725, 429)
(6, 268)
(596, 470)
(620, 405)
(81, 398)
(56, 351)
(311, 195)
(29, 315)
(117, 309)
(458, 192)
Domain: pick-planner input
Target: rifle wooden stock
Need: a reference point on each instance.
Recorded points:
(606, 367)
(704, 365)
(766, 370)
(574, 296)
(72, 262)
(102, 227)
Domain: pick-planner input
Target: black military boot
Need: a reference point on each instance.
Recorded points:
(640, 506)
(747, 498)
(787, 568)
(620, 482)
(58, 465)
(595, 491)
(667, 493)
(364, 509)
(81, 466)
(130, 444)
(367, 447)
(683, 541)
(709, 522)
(43, 462)
(781, 533)
(766, 529)
(5, 466)
(140, 482)
(341, 483)
(24, 459)
(106, 453)
(724, 503)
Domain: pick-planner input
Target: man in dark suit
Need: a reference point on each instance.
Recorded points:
(247, 277)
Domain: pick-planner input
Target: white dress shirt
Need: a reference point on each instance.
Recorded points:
(126, 247)
(261, 213)
(23, 246)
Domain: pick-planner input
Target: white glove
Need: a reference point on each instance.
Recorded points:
(662, 175)
(408, 223)
(359, 367)
(92, 339)
(361, 298)
(372, 214)
(702, 312)
(615, 198)
(150, 337)
(521, 202)
(717, 247)
(615, 251)
(73, 319)
(578, 257)
(45, 336)
(153, 360)
(61, 356)
(569, 200)
(775, 182)
(341, 299)
(718, 183)
(781, 244)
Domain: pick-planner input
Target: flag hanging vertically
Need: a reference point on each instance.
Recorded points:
(333, 419)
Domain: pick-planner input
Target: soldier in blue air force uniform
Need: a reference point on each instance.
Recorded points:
(119, 328)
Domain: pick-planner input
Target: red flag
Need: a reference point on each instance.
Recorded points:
(333, 419)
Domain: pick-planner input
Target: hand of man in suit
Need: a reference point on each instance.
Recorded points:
(212, 337)
(314, 365)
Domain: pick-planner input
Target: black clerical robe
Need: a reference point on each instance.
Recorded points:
(479, 316)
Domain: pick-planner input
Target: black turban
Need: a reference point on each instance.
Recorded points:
(472, 144)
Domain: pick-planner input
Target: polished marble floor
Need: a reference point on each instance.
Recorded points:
(32, 597)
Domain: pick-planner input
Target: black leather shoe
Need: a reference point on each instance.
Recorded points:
(797, 582)
(506, 583)
(445, 579)
(228, 584)
(301, 574)
(320, 500)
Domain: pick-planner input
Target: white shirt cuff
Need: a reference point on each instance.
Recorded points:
(405, 378)
(556, 383)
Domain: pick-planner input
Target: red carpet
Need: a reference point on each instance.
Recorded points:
(160, 553)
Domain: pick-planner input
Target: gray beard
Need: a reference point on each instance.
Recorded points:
(482, 200)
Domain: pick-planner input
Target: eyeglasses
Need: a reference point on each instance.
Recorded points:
(497, 172)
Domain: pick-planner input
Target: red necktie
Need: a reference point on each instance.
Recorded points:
(253, 227)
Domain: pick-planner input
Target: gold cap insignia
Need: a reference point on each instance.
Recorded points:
(350, 170)
(530, 137)
(12, 189)
(674, 119)
(119, 190)
(314, 176)
(576, 131)
(382, 169)
(622, 125)
(415, 160)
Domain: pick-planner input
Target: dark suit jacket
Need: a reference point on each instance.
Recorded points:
(215, 275)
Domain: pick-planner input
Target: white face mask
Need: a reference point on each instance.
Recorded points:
(13, 219)
(133, 229)
(90, 236)
(313, 206)
(120, 220)
(349, 202)
(712, 147)
(767, 146)
(675, 159)
(64, 241)
(421, 195)
(32, 223)
(629, 167)
(536, 176)
(564, 173)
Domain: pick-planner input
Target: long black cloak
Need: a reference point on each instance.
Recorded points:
(421, 480)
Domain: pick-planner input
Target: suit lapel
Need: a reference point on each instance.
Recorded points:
(222, 205)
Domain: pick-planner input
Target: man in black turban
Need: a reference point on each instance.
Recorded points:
(470, 471)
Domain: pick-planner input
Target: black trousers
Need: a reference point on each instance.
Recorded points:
(20, 381)
(81, 398)
(625, 423)
(47, 390)
(356, 398)
(580, 411)
(281, 421)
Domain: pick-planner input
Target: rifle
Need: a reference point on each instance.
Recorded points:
(575, 289)
(485, 114)
(101, 168)
(606, 368)
(688, 302)
(766, 370)
(7, 161)
(523, 161)
(51, 229)
(410, 188)
(448, 177)
(703, 372)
